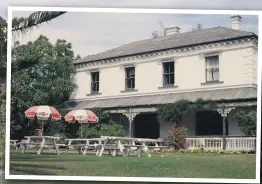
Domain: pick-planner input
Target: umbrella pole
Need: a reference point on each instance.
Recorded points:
(42, 128)
(81, 131)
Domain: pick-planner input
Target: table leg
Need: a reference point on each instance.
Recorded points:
(121, 148)
(41, 147)
(86, 147)
(146, 150)
(68, 145)
(56, 148)
(26, 144)
(103, 148)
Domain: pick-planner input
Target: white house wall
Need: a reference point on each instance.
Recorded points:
(237, 68)
(233, 128)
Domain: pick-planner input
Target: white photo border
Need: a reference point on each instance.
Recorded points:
(134, 179)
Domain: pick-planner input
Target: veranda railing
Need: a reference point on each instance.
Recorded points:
(216, 143)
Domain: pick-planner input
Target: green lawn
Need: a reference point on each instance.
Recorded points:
(172, 165)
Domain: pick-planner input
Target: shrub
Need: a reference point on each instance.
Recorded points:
(181, 150)
(215, 151)
(112, 129)
(195, 150)
(244, 152)
(178, 136)
(171, 150)
(208, 150)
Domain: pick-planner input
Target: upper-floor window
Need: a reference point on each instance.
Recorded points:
(168, 73)
(95, 82)
(130, 77)
(212, 68)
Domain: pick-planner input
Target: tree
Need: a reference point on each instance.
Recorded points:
(23, 24)
(162, 31)
(42, 74)
(3, 50)
(197, 28)
(78, 57)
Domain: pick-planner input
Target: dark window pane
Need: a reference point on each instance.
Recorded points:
(169, 67)
(130, 77)
(95, 76)
(166, 79)
(94, 82)
(130, 72)
(172, 79)
(130, 83)
(133, 83)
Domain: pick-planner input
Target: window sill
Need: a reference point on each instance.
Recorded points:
(129, 90)
(212, 82)
(167, 87)
(93, 94)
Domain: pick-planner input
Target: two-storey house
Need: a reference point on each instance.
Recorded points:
(130, 81)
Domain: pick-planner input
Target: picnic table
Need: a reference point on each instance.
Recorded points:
(14, 143)
(92, 142)
(42, 142)
(123, 145)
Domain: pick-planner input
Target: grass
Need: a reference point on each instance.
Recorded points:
(172, 165)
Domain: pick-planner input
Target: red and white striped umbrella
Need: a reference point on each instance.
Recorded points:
(42, 112)
(81, 116)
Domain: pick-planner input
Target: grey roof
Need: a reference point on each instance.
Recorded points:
(216, 95)
(171, 41)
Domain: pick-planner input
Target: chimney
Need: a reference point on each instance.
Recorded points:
(236, 21)
(172, 30)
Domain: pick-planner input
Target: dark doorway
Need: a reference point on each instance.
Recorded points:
(210, 123)
(146, 126)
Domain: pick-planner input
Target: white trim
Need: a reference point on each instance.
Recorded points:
(168, 91)
(172, 53)
(141, 179)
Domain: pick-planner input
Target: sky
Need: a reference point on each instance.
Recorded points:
(91, 33)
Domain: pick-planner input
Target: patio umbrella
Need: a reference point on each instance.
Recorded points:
(81, 116)
(42, 113)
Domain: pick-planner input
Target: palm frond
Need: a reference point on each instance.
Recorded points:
(22, 25)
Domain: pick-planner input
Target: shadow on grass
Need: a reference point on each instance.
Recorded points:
(33, 169)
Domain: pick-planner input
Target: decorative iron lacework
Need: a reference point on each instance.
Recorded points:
(153, 109)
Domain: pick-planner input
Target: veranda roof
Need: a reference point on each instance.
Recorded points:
(149, 100)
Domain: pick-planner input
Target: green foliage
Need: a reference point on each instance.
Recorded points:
(24, 24)
(172, 113)
(111, 129)
(247, 121)
(103, 116)
(3, 50)
(105, 126)
(42, 75)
